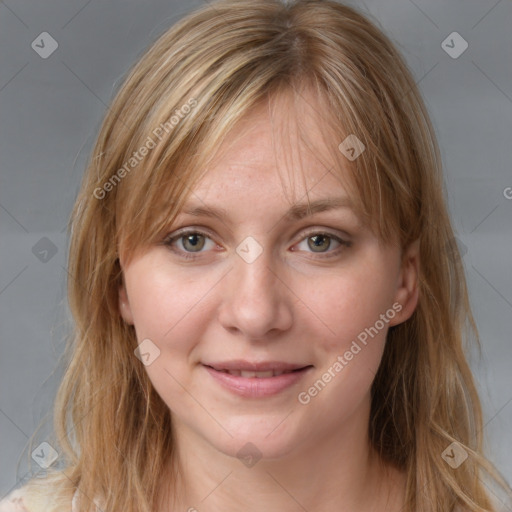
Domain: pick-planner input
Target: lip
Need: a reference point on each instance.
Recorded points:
(255, 366)
(256, 387)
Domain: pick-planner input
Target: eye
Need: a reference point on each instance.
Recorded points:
(191, 241)
(321, 242)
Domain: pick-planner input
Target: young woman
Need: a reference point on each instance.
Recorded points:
(270, 305)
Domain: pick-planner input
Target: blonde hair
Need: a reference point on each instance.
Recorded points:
(223, 60)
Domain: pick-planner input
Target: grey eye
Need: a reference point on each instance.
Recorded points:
(320, 242)
(193, 242)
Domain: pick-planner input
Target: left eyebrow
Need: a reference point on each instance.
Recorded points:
(302, 210)
(296, 212)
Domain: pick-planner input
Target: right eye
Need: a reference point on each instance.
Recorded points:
(191, 241)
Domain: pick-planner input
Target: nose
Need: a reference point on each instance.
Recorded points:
(256, 303)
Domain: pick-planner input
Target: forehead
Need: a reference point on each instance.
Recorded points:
(278, 147)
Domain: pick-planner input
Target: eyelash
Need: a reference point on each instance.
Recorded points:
(192, 256)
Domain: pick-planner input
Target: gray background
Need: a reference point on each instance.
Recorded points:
(51, 112)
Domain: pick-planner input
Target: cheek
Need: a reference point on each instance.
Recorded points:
(170, 306)
(167, 305)
(154, 309)
(350, 354)
(350, 305)
(160, 299)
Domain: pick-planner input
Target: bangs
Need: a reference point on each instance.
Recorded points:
(179, 106)
(180, 153)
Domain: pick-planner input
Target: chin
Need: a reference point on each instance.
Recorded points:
(262, 438)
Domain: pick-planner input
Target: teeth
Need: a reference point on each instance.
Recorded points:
(258, 375)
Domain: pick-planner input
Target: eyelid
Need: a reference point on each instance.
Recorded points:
(188, 229)
(301, 234)
(336, 233)
(343, 241)
(181, 232)
(341, 237)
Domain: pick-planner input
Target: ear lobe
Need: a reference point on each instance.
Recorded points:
(407, 292)
(124, 305)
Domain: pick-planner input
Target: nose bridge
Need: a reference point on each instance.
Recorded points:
(255, 300)
(256, 275)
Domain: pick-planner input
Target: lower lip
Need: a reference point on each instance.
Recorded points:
(255, 387)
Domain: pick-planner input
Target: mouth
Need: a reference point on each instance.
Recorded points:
(256, 380)
(258, 375)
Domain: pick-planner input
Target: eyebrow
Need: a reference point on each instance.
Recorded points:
(296, 212)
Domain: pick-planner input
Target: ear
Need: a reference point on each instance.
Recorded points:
(124, 304)
(407, 292)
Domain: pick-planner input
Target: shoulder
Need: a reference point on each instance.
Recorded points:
(35, 498)
(14, 502)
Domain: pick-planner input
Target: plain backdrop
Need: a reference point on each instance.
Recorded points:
(51, 109)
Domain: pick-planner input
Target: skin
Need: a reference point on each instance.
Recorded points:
(289, 304)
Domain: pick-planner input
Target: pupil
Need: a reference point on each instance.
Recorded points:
(193, 239)
(318, 239)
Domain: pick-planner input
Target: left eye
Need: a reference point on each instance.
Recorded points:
(321, 242)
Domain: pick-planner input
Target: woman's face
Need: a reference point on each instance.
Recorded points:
(304, 299)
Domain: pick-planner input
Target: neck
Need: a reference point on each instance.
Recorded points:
(338, 472)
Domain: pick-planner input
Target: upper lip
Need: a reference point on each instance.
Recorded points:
(261, 366)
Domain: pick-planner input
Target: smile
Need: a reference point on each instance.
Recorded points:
(259, 375)
(256, 383)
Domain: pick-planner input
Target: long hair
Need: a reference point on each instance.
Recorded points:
(179, 102)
